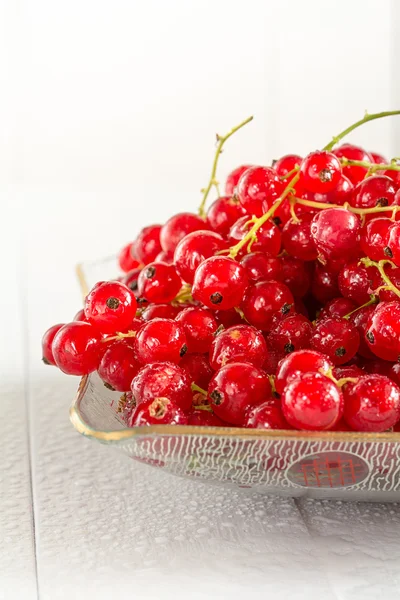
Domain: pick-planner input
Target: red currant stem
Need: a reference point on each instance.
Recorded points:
(380, 266)
(338, 382)
(197, 388)
(120, 336)
(357, 211)
(213, 182)
(346, 162)
(241, 313)
(185, 295)
(295, 218)
(205, 407)
(373, 300)
(290, 173)
(233, 251)
(365, 119)
(272, 383)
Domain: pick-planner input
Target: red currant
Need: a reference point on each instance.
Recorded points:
(167, 257)
(118, 365)
(338, 307)
(147, 244)
(347, 371)
(374, 238)
(235, 387)
(233, 179)
(160, 340)
(80, 316)
(227, 318)
(392, 250)
(259, 267)
(199, 325)
(76, 348)
(159, 283)
(297, 239)
(131, 279)
(258, 188)
(163, 379)
(378, 159)
(336, 338)
(160, 311)
(157, 411)
(320, 172)
(223, 213)
(296, 275)
(324, 284)
(336, 232)
(219, 283)
(198, 368)
(47, 342)
(357, 282)
(286, 164)
(177, 227)
(126, 259)
(342, 192)
(312, 402)
(110, 307)
(293, 333)
(388, 295)
(297, 363)
(360, 320)
(193, 249)
(267, 415)
(383, 331)
(236, 344)
(268, 236)
(372, 404)
(266, 302)
(351, 152)
(373, 191)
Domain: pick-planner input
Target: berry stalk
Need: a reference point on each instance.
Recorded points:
(367, 117)
(380, 266)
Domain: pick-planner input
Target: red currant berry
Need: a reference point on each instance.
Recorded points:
(297, 363)
(296, 275)
(336, 338)
(110, 307)
(80, 316)
(293, 333)
(119, 366)
(267, 415)
(219, 283)
(320, 172)
(347, 371)
(383, 331)
(312, 402)
(342, 192)
(47, 342)
(235, 387)
(131, 279)
(268, 236)
(257, 190)
(336, 233)
(373, 191)
(372, 404)
(351, 152)
(287, 163)
(378, 159)
(357, 282)
(147, 244)
(392, 250)
(160, 311)
(324, 284)
(266, 302)
(157, 411)
(159, 283)
(338, 307)
(360, 320)
(160, 340)
(259, 267)
(166, 257)
(297, 239)
(198, 368)
(377, 366)
(223, 213)
(393, 175)
(163, 379)
(236, 344)
(374, 238)
(388, 295)
(193, 249)
(233, 179)
(177, 227)
(76, 348)
(199, 325)
(227, 318)
(126, 259)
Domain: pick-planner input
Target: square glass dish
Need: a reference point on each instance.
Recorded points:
(342, 465)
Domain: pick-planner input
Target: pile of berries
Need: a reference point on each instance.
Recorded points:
(277, 308)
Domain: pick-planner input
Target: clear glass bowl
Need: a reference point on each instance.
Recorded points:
(347, 466)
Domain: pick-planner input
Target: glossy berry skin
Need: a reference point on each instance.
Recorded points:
(177, 227)
(347, 371)
(342, 192)
(233, 179)
(360, 320)
(160, 311)
(126, 259)
(236, 344)
(198, 368)
(298, 363)
(374, 238)
(118, 365)
(260, 267)
(267, 302)
(394, 275)
(373, 191)
(295, 275)
(76, 348)
(268, 237)
(193, 249)
(267, 415)
(378, 159)
(227, 318)
(219, 283)
(372, 404)
(199, 325)
(335, 232)
(131, 279)
(320, 172)
(47, 342)
(338, 307)
(257, 190)
(292, 333)
(355, 174)
(383, 331)
(392, 250)
(297, 239)
(157, 411)
(234, 388)
(110, 307)
(204, 418)
(336, 338)
(287, 163)
(357, 282)
(312, 402)
(324, 284)
(163, 379)
(80, 316)
(166, 257)
(159, 283)
(160, 340)
(147, 244)
(223, 213)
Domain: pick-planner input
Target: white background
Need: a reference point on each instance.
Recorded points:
(108, 115)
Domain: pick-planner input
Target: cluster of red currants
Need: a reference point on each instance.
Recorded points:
(278, 308)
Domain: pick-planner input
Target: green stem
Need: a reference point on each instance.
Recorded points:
(120, 336)
(380, 266)
(213, 182)
(196, 388)
(357, 211)
(365, 119)
(347, 162)
(373, 300)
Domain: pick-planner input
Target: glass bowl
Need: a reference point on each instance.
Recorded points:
(346, 466)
